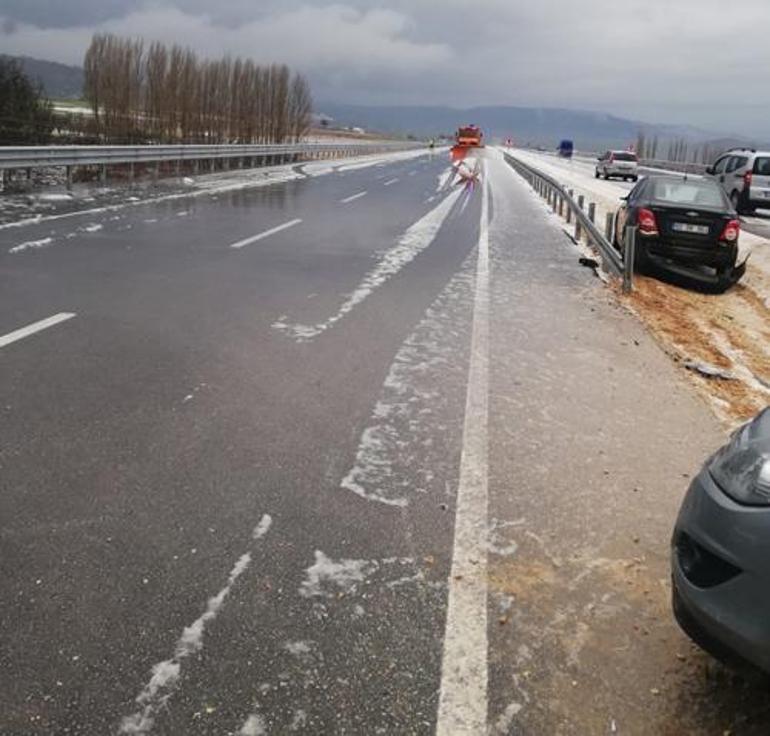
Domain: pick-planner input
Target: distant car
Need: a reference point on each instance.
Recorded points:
(720, 556)
(744, 174)
(685, 227)
(623, 164)
(566, 148)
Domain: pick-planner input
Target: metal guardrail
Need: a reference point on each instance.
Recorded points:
(29, 157)
(562, 202)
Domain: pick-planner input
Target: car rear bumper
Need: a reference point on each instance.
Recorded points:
(721, 602)
(616, 171)
(681, 257)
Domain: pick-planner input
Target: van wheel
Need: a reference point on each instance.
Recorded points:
(735, 200)
(596, 173)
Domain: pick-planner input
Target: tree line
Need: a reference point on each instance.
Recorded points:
(26, 117)
(168, 94)
(677, 149)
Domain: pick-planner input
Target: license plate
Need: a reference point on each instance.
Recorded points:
(686, 227)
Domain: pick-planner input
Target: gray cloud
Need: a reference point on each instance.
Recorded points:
(691, 61)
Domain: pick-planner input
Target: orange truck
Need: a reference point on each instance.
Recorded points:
(469, 136)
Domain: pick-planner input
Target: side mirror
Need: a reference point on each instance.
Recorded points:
(624, 198)
(710, 170)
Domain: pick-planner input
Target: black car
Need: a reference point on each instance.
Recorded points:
(686, 227)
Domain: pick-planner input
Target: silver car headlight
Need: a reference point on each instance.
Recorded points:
(742, 468)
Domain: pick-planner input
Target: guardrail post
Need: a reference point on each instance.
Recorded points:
(29, 173)
(131, 172)
(581, 201)
(67, 175)
(608, 226)
(629, 257)
(103, 173)
(569, 206)
(178, 168)
(592, 211)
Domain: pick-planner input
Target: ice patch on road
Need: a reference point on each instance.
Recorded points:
(94, 227)
(254, 726)
(503, 724)
(165, 675)
(444, 178)
(263, 527)
(325, 573)
(416, 239)
(31, 245)
(397, 456)
(298, 648)
(299, 720)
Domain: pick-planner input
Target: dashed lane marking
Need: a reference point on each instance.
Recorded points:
(353, 198)
(266, 234)
(35, 327)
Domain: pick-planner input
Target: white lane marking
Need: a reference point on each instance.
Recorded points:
(165, 675)
(412, 173)
(388, 183)
(43, 324)
(418, 237)
(266, 234)
(353, 198)
(463, 696)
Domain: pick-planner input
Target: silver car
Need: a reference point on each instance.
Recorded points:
(623, 164)
(744, 174)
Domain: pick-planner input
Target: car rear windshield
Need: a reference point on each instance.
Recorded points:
(762, 165)
(624, 156)
(688, 192)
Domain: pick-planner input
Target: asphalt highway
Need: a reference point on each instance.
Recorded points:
(353, 453)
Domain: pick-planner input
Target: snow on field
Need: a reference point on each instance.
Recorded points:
(729, 332)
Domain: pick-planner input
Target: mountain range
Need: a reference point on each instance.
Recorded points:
(526, 125)
(59, 81)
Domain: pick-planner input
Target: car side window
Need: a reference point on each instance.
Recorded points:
(633, 195)
(732, 164)
(719, 166)
(740, 162)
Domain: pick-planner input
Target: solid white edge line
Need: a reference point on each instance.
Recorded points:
(43, 324)
(266, 234)
(388, 183)
(462, 709)
(354, 197)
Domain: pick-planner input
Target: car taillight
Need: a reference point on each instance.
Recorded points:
(747, 179)
(731, 231)
(648, 225)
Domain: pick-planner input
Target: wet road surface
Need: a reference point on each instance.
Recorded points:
(355, 453)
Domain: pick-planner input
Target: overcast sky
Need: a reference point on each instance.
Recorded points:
(701, 62)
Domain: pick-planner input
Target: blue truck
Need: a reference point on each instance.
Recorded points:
(565, 148)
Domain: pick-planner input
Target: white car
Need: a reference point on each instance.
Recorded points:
(623, 164)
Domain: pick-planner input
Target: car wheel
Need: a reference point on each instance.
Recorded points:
(634, 178)
(596, 173)
(728, 276)
(615, 239)
(735, 199)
